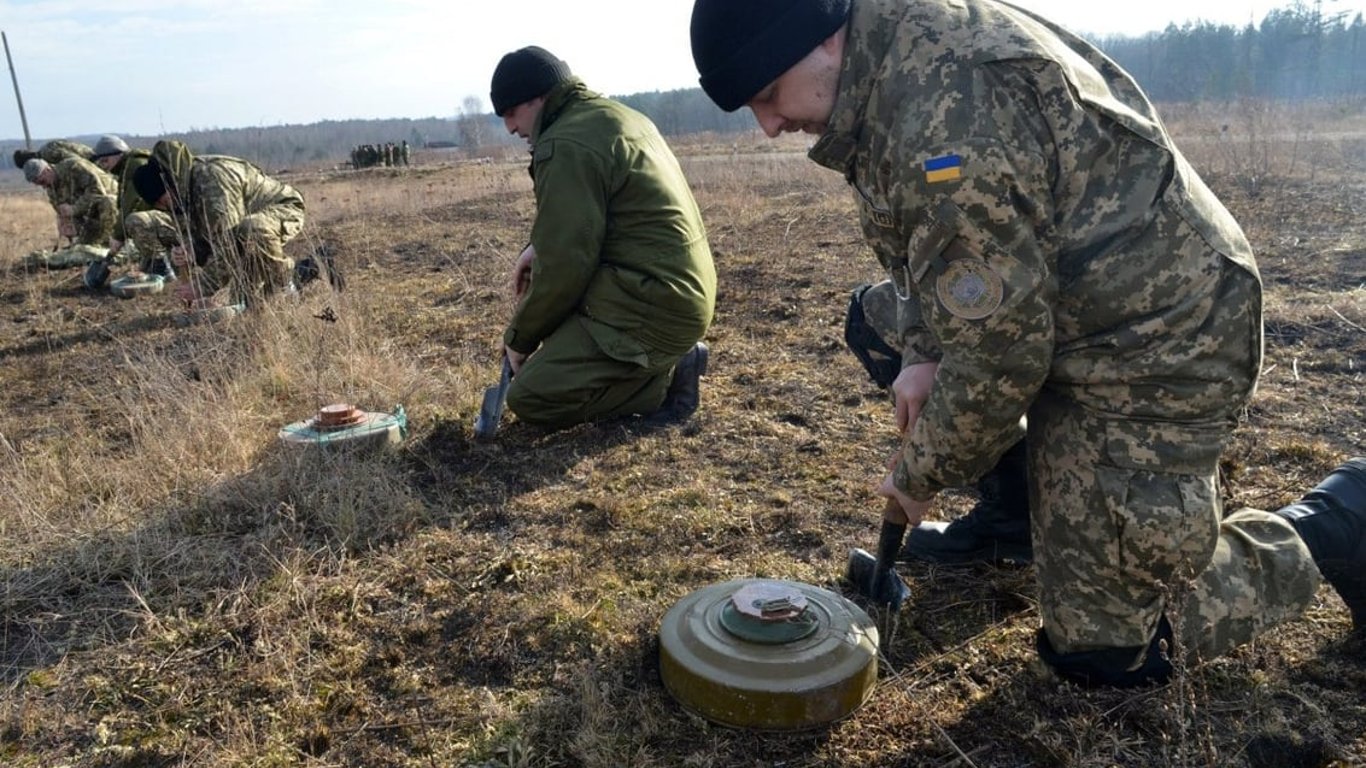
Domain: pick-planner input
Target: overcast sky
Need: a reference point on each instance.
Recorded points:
(155, 66)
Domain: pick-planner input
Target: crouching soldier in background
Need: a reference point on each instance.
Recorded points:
(617, 287)
(83, 196)
(152, 232)
(54, 152)
(237, 218)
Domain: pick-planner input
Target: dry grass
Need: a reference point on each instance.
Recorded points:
(179, 589)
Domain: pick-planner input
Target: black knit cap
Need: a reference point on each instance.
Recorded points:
(740, 46)
(148, 182)
(523, 75)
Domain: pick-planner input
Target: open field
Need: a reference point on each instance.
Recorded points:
(180, 589)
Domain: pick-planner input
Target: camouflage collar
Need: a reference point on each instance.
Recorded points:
(868, 48)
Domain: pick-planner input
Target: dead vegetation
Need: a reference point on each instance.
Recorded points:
(179, 589)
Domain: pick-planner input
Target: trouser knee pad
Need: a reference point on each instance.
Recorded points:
(882, 362)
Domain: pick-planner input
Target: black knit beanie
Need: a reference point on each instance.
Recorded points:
(148, 182)
(740, 46)
(523, 75)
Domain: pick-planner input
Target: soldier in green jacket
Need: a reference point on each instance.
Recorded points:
(617, 287)
(83, 195)
(237, 220)
(1062, 276)
(152, 232)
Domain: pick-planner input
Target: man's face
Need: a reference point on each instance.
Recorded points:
(803, 97)
(521, 119)
(163, 203)
(46, 178)
(108, 161)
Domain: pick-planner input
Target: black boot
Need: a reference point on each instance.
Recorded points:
(1331, 519)
(1113, 667)
(684, 394)
(995, 530)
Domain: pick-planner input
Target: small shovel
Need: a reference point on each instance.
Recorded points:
(491, 411)
(875, 577)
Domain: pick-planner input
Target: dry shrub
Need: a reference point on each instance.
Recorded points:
(1260, 142)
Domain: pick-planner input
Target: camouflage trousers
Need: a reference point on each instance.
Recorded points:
(586, 371)
(256, 264)
(1127, 525)
(94, 217)
(152, 233)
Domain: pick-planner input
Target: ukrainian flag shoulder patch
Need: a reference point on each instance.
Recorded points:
(943, 168)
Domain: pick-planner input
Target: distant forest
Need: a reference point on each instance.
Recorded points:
(1300, 52)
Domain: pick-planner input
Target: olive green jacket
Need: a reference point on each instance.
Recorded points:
(129, 199)
(618, 237)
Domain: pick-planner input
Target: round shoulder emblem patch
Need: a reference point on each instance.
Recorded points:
(969, 289)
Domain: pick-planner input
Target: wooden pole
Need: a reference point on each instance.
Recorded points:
(28, 142)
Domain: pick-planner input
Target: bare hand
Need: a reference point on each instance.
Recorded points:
(188, 292)
(911, 389)
(515, 359)
(521, 273)
(115, 246)
(901, 508)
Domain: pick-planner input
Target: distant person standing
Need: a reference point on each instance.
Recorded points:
(238, 221)
(152, 232)
(83, 195)
(617, 286)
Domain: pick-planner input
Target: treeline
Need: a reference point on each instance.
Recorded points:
(1298, 52)
(280, 147)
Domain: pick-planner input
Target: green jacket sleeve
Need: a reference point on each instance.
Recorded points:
(572, 192)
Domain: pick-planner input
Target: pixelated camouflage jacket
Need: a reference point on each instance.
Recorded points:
(77, 179)
(129, 199)
(54, 152)
(1022, 191)
(618, 235)
(57, 150)
(214, 193)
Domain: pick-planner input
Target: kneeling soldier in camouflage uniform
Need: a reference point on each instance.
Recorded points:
(152, 232)
(238, 221)
(54, 152)
(1054, 257)
(83, 195)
